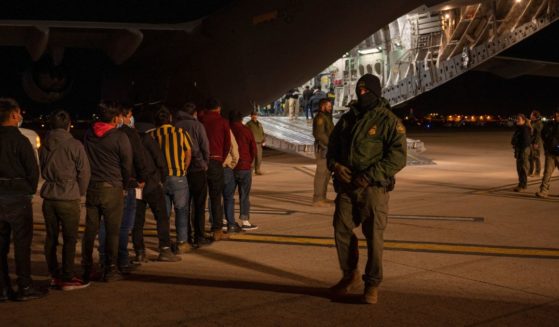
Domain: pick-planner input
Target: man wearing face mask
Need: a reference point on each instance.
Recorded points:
(19, 176)
(110, 158)
(366, 149)
(126, 125)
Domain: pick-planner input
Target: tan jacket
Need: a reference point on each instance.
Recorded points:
(233, 156)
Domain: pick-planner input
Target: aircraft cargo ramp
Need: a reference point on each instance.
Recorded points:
(295, 136)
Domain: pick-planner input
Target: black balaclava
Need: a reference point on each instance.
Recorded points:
(368, 100)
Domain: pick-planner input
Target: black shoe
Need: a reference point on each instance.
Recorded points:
(165, 254)
(127, 269)
(112, 275)
(7, 294)
(233, 229)
(86, 276)
(203, 241)
(140, 257)
(29, 293)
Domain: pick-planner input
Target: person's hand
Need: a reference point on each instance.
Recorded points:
(343, 173)
(361, 181)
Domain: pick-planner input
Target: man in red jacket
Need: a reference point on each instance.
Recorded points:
(218, 132)
(242, 172)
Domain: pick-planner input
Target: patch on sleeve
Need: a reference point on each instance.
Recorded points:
(400, 128)
(373, 131)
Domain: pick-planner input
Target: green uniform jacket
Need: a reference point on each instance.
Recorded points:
(257, 130)
(322, 127)
(373, 143)
(537, 127)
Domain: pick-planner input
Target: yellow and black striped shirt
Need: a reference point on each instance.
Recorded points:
(175, 146)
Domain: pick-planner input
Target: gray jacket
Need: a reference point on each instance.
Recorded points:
(200, 144)
(64, 166)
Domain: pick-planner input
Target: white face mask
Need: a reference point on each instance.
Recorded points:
(131, 124)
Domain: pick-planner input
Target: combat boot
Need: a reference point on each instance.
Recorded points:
(370, 295)
(347, 283)
(542, 194)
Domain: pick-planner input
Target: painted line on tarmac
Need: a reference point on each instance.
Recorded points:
(448, 248)
(390, 245)
(445, 218)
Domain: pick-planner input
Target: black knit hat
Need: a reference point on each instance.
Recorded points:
(370, 82)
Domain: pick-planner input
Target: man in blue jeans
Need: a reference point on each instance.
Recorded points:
(243, 170)
(137, 179)
(175, 147)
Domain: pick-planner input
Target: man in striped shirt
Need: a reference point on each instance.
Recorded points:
(175, 146)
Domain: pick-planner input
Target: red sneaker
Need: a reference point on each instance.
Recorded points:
(74, 284)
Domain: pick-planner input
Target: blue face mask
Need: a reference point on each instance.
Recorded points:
(131, 124)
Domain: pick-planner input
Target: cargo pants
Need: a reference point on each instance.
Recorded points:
(367, 207)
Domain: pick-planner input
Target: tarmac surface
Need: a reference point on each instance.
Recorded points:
(462, 249)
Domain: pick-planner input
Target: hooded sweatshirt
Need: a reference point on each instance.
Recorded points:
(110, 154)
(246, 143)
(200, 143)
(19, 171)
(64, 166)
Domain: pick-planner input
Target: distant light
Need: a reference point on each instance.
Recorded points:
(38, 141)
(368, 51)
(447, 16)
(518, 1)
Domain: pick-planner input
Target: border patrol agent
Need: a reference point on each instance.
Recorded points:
(366, 149)
(321, 130)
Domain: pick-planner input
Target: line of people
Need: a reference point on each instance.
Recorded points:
(530, 137)
(127, 162)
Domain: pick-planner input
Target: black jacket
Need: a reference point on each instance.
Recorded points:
(155, 164)
(522, 138)
(110, 155)
(139, 172)
(19, 170)
(550, 137)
